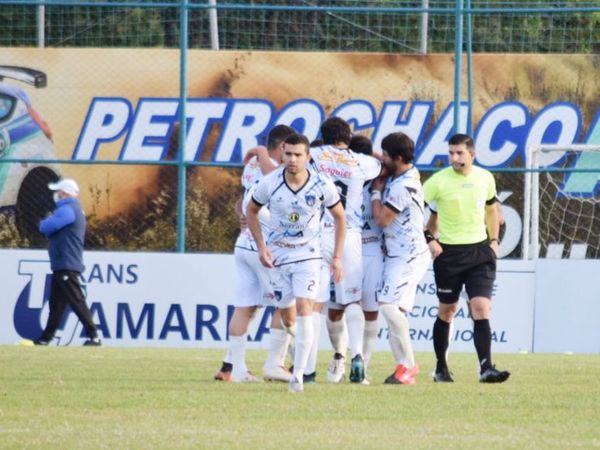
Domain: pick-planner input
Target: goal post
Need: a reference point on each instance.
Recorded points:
(562, 202)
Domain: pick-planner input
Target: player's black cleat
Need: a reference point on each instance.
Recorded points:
(41, 342)
(443, 376)
(93, 342)
(492, 375)
(309, 378)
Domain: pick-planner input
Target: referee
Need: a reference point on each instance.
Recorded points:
(467, 220)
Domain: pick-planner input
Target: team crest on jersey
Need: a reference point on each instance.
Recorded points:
(294, 217)
(310, 199)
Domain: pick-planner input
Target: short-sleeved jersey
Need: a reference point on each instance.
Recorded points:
(295, 215)
(404, 195)
(460, 202)
(251, 175)
(371, 232)
(349, 171)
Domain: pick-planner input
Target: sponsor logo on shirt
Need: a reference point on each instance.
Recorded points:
(338, 158)
(334, 172)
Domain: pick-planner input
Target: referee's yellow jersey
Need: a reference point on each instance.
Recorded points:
(460, 203)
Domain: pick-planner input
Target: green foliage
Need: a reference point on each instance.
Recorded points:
(9, 234)
(211, 225)
(261, 29)
(166, 398)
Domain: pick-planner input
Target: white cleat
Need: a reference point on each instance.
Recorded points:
(278, 373)
(337, 369)
(295, 386)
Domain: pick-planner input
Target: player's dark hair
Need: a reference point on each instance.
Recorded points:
(317, 143)
(295, 139)
(277, 135)
(460, 139)
(399, 145)
(361, 144)
(335, 130)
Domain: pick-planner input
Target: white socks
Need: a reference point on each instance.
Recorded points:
(356, 328)
(311, 364)
(338, 335)
(304, 340)
(237, 348)
(370, 336)
(227, 358)
(400, 342)
(278, 344)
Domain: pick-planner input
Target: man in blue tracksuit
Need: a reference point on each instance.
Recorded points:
(65, 230)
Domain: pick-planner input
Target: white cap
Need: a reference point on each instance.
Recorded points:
(66, 185)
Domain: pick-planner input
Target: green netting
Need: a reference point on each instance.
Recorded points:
(374, 26)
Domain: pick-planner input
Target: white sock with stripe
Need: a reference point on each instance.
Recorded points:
(356, 328)
(304, 340)
(400, 342)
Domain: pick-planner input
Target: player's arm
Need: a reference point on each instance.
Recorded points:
(383, 214)
(492, 223)
(339, 217)
(254, 226)
(262, 156)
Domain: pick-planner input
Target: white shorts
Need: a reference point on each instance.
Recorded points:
(253, 286)
(400, 279)
(350, 289)
(372, 276)
(296, 279)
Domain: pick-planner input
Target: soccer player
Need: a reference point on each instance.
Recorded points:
(349, 171)
(253, 287)
(466, 253)
(295, 197)
(372, 255)
(400, 212)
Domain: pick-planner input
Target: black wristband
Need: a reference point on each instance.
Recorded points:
(429, 236)
(494, 239)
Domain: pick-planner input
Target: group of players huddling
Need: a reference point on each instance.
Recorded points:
(331, 227)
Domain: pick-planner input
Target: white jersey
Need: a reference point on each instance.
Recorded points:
(372, 236)
(404, 235)
(295, 227)
(349, 171)
(251, 175)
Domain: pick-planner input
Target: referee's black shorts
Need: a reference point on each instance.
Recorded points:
(471, 265)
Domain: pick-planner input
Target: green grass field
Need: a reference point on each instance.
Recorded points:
(166, 398)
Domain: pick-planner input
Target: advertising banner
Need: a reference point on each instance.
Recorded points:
(123, 105)
(177, 300)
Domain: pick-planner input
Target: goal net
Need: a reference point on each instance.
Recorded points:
(562, 202)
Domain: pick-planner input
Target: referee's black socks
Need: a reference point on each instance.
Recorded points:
(482, 336)
(441, 339)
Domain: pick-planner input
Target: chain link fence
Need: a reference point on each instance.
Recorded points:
(112, 98)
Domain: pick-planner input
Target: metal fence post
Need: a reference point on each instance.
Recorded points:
(469, 69)
(41, 25)
(214, 25)
(181, 167)
(424, 27)
(458, 41)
